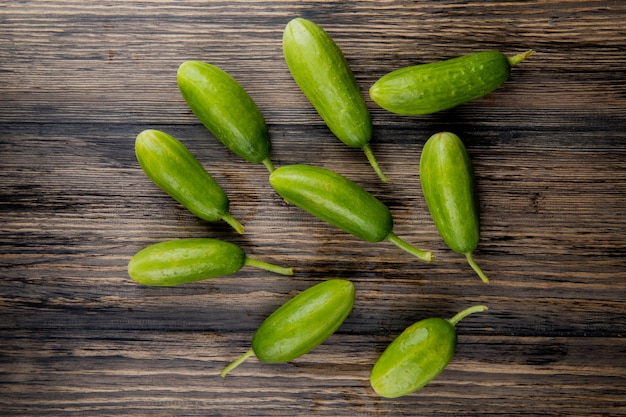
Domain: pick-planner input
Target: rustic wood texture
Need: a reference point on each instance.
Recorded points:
(80, 79)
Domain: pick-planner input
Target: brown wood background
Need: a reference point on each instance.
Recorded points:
(80, 79)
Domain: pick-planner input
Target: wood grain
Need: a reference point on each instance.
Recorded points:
(79, 80)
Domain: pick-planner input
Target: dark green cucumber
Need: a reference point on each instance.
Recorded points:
(437, 86)
(170, 165)
(417, 356)
(182, 261)
(226, 110)
(301, 324)
(340, 202)
(447, 180)
(323, 74)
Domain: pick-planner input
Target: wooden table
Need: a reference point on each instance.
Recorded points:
(80, 79)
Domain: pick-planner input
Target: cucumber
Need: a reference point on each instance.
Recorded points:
(322, 72)
(226, 110)
(437, 86)
(417, 356)
(340, 202)
(301, 324)
(447, 180)
(172, 167)
(181, 261)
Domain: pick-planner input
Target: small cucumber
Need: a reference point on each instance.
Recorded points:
(323, 74)
(437, 86)
(226, 110)
(447, 180)
(181, 261)
(417, 356)
(340, 202)
(301, 324)
(170, 165)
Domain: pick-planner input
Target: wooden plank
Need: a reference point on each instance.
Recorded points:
(138, 373)
(117, 61)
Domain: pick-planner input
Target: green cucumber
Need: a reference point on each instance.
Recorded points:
(447, 180)
(340, 202)
(172, 167)
(226, 110)
(301, 324)
(323, 74)
(182, 261)
(417, 356)
(437, 86)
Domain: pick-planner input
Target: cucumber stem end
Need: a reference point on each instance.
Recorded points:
(516, 59)
(372, 160)
(268, 266)
(460, 316)
(228, 218)
(268, 164)
(236, 363)
(476, 268)
(423, 255)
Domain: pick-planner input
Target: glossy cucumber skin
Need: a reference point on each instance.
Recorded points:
(225, 109)
(304, 322)
(182, 261)
(414, 358)
(323, 74)
(447, 181)
(170, 165)
(334, 199)
(437, 86)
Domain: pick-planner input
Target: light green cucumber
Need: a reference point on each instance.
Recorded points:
(437, 86)
(181, 261)
(447, 180)
(340, 202)
(322, 72)
(301, 324)
(172, 167)
(417, 356)
(226, 110)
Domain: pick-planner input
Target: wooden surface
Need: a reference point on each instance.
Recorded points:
(79, 80)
